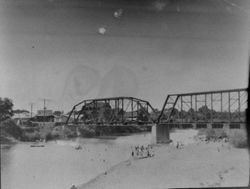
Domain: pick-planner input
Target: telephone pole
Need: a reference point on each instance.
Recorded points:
(31, 109)
(44, 108)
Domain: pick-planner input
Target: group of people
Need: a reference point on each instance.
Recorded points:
(179, 145)
(142, 151)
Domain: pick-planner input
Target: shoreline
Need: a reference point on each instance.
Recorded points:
(33, 134)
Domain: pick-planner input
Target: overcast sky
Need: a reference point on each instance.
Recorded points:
(52, 49)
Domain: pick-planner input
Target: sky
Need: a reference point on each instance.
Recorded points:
(54, 50)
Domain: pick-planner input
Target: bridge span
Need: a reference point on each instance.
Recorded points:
(209, 109)
(115, 111)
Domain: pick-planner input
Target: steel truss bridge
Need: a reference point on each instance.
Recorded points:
(117, 111)
(201, 108)
(186, 109)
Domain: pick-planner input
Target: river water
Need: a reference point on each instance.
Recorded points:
(58, 165)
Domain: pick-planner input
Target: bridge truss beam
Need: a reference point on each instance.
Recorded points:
(223, 106)
(112, 111)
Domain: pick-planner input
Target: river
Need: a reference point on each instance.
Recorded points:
(58, 165)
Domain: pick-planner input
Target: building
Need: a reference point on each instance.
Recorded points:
(21, 118)
(44, 116)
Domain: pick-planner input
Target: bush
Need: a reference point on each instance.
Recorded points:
(68, 132)
(223, 134)
(239, 139)
(29, 130)
(48, 136)
(211, 133)
(87, 131)
(10, 128)
(31, 137)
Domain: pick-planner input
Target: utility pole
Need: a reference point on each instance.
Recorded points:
(44, 108)
(31, 109)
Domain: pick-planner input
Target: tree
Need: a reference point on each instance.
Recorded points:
(175, 112)
(107, 111)
(57, 113)
(6, 111)
(18, 111)
(206, 112)
(155, 114)
(142, 115)
(191, 114)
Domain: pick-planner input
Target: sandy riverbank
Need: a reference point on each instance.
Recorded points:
(198, 164)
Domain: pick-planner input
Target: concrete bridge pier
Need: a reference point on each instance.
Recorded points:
(160, 134)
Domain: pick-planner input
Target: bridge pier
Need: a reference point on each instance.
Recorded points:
(160, 133)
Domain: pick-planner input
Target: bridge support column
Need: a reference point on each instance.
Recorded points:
(153, 134)
(160, 133)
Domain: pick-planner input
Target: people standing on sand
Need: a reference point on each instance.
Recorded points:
(150, 151)
(147, 150)
(142, 148)
(142, 151)
(137, 151)
(132, 153)
(177, 145)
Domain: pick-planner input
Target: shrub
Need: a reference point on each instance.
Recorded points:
(48, 136)
(31, 137)
(69, 132)
(10, 128)
(29, 130)
(223, 134)
(88, 131)
(210, 133)
(239, 139)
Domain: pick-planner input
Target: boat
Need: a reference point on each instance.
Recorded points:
(37, 145)
(107, 137)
